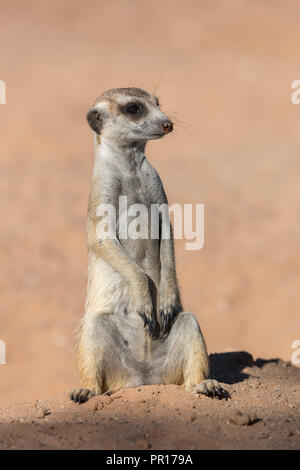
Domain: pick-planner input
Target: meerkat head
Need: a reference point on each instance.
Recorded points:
(128, 115)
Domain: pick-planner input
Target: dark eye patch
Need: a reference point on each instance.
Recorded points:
(134, 109)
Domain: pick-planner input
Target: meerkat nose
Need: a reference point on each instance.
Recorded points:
(167, 126)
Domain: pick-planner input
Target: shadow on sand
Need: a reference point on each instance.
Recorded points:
(228, 367)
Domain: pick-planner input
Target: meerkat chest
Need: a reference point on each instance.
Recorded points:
(142, 186)
(137, 220)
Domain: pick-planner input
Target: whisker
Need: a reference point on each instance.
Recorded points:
(157, 84)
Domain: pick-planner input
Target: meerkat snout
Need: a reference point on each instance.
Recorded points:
(167, 127)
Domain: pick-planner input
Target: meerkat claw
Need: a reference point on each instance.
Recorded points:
(223, 394)
(167, 320)
(144, 318)
(151, 328)
(212, 388)
(149, 323)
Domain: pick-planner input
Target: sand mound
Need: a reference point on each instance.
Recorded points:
(262, 413)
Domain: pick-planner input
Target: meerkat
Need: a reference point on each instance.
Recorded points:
(135, 331)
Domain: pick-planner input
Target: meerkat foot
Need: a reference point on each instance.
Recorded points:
(211, 388)
(81, 395)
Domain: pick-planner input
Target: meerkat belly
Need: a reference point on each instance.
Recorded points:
(107, 290)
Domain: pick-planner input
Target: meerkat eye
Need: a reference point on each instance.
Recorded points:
(133, 108)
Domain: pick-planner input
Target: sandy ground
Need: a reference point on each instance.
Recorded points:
(223, 71)
(262, 413)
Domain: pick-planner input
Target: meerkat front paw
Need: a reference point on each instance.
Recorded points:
(148, 317)
(144, 305)
(211, 388)
(81, 395)
(168, 310)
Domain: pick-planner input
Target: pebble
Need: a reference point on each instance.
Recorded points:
(242, 419)
(255, 383)
(41, 412)
(263, 435)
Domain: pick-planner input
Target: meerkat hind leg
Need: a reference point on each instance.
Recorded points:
(105, 362)
(187, 360)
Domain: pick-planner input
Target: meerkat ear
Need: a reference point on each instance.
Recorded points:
(95, 120)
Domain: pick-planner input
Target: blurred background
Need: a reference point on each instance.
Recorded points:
(223, 70)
